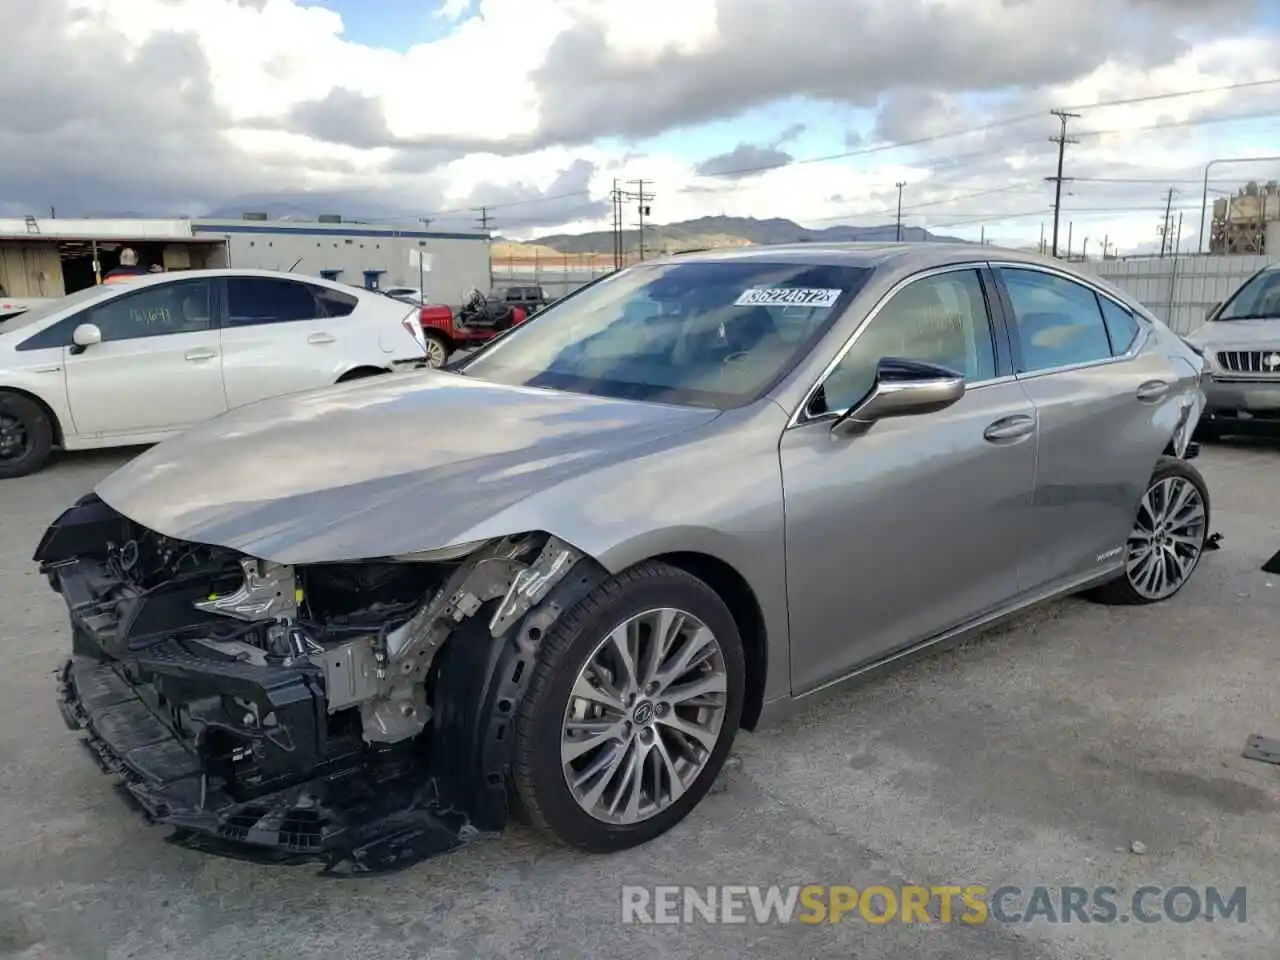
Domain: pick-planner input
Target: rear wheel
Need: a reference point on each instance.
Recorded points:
(1168, 537)
(631, 710)
(26, 435)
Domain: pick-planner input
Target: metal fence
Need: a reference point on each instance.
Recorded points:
(556, 277)
(1177, 289)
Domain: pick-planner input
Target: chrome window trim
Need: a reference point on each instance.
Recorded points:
(1140, 341)
(798, 417)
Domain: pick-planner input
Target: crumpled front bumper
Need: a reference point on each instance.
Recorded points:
(345, 819)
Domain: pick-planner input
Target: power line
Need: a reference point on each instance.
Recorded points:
(951, 134)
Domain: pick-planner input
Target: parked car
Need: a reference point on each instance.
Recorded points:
(1240, 342)
(679, 502)
(531, 298)
(116, 365)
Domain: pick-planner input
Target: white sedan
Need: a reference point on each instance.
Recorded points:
(136, 362)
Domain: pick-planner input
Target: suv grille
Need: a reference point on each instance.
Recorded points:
(1266, 362)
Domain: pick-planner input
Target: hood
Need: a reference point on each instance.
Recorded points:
(1237, 334)
(377, 467)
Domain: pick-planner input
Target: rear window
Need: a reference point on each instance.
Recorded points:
(716, 334)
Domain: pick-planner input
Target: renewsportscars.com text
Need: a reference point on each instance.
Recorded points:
(971, 904)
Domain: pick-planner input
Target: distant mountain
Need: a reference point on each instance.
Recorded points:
(730, 232)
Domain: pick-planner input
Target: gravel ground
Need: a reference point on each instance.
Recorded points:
(1036, 755)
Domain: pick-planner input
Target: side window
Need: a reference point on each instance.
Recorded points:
(1122, 328)
(941, 319)
(334, 303)
(258, 300)
(1059, 322)
(156, 311)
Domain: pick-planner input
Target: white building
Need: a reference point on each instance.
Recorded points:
(45, 257)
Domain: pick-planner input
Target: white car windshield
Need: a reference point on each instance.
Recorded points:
(701, 333)
(1258, 299)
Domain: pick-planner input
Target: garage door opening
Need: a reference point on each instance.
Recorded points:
(81, 270)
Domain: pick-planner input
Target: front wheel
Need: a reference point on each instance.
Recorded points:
(437, 349)
(26, 435)
(631, 711)
(1168, 537)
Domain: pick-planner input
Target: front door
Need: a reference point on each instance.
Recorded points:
(1107, 408)
(158, 367)
(917, 525)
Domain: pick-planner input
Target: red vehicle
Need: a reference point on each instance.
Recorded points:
(479, 321)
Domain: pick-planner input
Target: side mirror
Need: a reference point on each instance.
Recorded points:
(84, 336)
(1208, 314)
(903, 388)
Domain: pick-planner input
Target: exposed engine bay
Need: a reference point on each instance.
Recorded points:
(350, 712)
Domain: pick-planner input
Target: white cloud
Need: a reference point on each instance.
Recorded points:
(483, 115)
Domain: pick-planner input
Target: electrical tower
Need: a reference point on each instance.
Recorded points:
(1061, 140)
(483, 219)
(642, 207)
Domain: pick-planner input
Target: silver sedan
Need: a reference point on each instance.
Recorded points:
(555, 580)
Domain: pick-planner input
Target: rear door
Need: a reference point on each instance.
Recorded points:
(281, 336)
(1107, 405)
(158, 367)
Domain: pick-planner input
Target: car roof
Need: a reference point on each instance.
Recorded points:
(155, 279)
(905, 256)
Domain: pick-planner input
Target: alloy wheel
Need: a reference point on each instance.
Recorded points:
(1168, 538)
(644, 715)
(15, 439)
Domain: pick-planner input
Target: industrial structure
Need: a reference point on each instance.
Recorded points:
(1248, 222)
(47, 257)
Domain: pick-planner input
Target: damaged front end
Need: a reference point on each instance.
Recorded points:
(352, 713)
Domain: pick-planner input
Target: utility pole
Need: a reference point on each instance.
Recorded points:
(642, 206)
(1061, 140)
(1166, 225)
(1070, 227)
(1177, 240)
(900, 184)
(982, 235)
(484, 219)
(615, 199)
(1042, 236)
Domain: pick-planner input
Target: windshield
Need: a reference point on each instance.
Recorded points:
(48, 309)
(715, 334)
(1258, 299)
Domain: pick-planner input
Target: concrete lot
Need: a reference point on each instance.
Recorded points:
(1033, 756)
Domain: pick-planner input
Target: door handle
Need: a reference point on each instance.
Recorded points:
(321, 338)
(201, 353)
(1152, 390)
(1010, 428)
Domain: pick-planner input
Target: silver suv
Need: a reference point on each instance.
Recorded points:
(1241, 345)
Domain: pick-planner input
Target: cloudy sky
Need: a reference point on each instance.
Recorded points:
(394, 110)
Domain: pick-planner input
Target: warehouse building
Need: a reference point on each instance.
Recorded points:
(46, 257)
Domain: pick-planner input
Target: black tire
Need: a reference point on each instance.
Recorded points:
(545, 800)
(444, 346)
(36, 430)
(1120, 591)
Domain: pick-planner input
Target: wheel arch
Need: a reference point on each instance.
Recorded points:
(58, 434)
(732, 587)
(365, 370)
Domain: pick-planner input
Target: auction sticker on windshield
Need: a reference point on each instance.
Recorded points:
(787, 297)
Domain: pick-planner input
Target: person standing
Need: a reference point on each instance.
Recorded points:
(128, 268)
